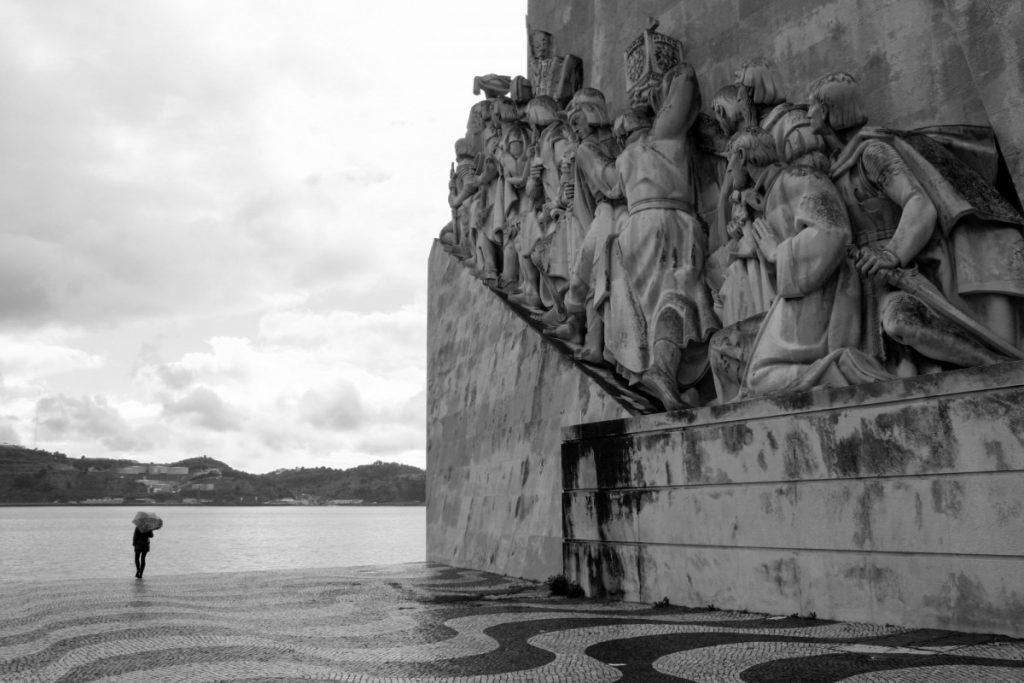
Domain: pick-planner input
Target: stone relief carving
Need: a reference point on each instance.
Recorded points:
(554, 75)
(764, 246)
(660, 313)
(810, 333)
(935, 215)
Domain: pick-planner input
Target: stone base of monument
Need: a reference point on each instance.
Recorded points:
(896, 503)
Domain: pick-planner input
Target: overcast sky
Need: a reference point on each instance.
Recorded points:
(215, 218)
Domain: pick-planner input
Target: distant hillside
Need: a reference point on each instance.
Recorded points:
(380, 481)
(35, 476)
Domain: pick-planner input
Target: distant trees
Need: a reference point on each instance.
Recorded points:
(35, 476)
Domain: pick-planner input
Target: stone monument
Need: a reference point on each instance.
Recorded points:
(801, 327)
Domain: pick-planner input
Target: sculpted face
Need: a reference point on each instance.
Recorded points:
(737, 169)
(728, 114)
(541, 44)
(476, 120)
(580, 127)
(818, 114)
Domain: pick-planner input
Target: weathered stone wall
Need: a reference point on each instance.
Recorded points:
(497, 398)
(923, 62)
(899, 503)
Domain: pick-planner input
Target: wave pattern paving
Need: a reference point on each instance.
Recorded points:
(424, 622)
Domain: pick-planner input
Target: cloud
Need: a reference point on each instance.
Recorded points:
(67, 419)
(205, 408)
(340, 409)
(29, 359)
(216, 219)
(7, 432)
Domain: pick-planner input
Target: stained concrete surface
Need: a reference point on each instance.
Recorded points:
(498, 396)
(427, 622)
(889, 503)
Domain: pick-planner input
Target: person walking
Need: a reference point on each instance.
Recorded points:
(140, 539)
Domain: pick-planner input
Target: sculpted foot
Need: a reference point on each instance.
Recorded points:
(552, 318)
(569, 331)
(524, 299)
(664, 389)
(587, 355)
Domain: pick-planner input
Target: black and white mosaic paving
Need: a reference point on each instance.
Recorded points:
(421, 622)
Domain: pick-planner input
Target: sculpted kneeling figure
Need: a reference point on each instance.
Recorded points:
(810, 334)
(945, 249)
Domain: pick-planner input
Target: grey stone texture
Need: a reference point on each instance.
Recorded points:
(924, 62)
(893, 503)
(498, 397)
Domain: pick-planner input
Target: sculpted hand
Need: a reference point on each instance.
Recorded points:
(536, 168)
(734, 229)
(872, 260)
(767, 242)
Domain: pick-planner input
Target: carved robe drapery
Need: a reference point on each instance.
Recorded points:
(810, 335)
(976, 252)
(657, 262)
(597, 204)
(561, 237)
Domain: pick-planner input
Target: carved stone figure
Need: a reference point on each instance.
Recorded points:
(914, 205)
(809, 336)
(490, 216)
(743, 282)
(557, 76)
(509, 154)
(597, 205)
(660, 312)
(760, 92)
(461, 186)
(756, 99)
(553, 252)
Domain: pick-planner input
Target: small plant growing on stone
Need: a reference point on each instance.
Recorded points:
(558, 584)
(575, 591)
(663, 603)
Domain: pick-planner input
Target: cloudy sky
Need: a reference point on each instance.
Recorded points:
(215, 217)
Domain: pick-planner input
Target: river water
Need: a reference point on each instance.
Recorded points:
(74, 542)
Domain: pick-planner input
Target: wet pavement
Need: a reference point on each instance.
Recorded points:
(423, 622)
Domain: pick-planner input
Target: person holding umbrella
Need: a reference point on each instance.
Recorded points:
(145, 523)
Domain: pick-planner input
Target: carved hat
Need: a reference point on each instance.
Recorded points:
(504, 111)
(840, 92)
(492, 85)
(761, 81)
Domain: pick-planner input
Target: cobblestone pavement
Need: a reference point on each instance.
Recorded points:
(423, 622)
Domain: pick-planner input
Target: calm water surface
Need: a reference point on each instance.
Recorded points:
(40, 543)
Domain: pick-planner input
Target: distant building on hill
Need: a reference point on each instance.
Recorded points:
(154, 469)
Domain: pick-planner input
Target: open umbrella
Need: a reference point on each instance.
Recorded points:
(147, 521)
